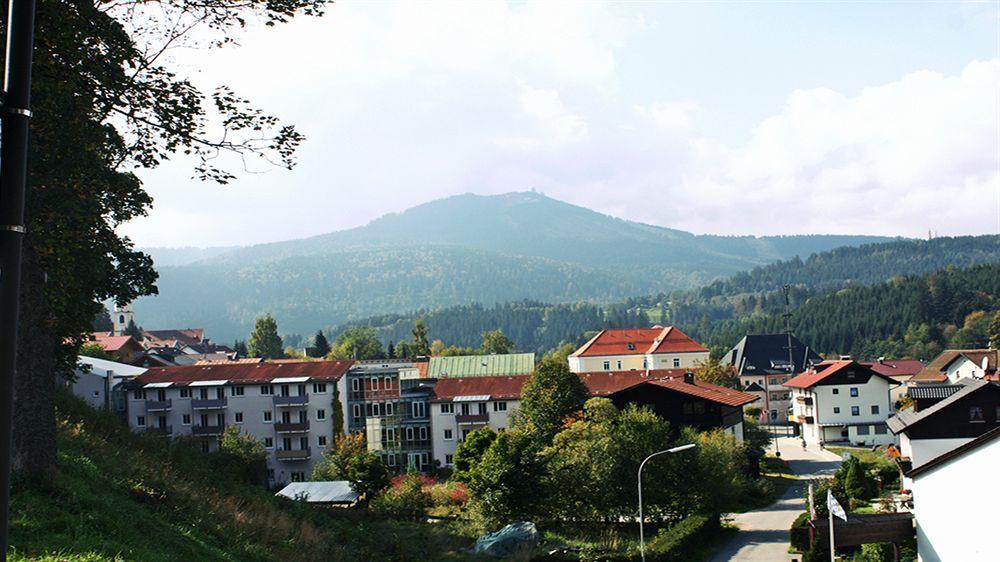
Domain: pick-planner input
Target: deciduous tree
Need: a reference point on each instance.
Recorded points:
(357, 343)
(264, 340)
(551, 393)
(495, 342)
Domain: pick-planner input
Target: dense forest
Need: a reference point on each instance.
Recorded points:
(872, 300)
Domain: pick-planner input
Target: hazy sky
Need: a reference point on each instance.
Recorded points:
(713, 118)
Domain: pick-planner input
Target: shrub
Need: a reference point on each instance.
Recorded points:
(799, 533)
(448, 494)
(405, 499)
(681, 541)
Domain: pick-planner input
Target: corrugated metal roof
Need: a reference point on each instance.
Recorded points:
(244, 373)
(334, 491)
(481, 365)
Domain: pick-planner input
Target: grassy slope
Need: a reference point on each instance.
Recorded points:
(119, 496)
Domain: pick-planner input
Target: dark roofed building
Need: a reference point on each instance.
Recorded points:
(763, 365)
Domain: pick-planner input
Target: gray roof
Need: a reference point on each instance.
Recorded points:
(908, 418)
(767, 354)
(334, 491)
(930, 391)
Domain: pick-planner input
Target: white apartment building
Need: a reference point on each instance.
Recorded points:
(99, 382)
(842, 401)
(461, 405)
(638, 350)
(287, 406)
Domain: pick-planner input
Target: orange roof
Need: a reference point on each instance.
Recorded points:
(820, 372)
(604, 383)
(638, 341)
(495, 387)
(161, 338)
(244, 372)
(112, 343)
(935, 370)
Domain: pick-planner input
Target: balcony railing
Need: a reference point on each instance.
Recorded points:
(416, 444)
(297, 427)
(291, 401)
(807, 400)
(806, 419)
(375, 394)
(207, 430)
(157, 405)
(293, 454)
(208, 403)
(158, 430)
(472, 418)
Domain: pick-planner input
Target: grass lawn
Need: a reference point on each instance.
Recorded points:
(119, 496)
(864, 454)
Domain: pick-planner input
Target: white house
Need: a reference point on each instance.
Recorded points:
(953, 365)
(289, 407)
(461, 405)
(638, 350)
(842, 401)
(96, 380)
(954, 502)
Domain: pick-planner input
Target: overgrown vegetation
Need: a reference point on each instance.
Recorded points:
(115, 495)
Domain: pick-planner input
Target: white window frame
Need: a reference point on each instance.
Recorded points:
(447, 408)
(319, 388)
(607, 365)
(186, 419)
(419, 409)
(355, 385)
(321, 440)
(677, 362)
(500, 406)
(267, 416)
(269, 442)
(321, 415)
(266, 390)
(238, 417)
(140, 421)
(449, 435)
(185, 393)
(357, 411)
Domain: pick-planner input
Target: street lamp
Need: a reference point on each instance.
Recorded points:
(642, 537)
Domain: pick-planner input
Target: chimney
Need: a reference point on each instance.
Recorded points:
(881, 360)
(689, 377)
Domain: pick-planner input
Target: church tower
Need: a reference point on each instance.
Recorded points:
(120, 319)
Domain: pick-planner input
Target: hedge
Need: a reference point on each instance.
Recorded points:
(799, 533)
(681, 541)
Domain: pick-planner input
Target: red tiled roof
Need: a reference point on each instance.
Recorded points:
(895, 367)
(638, 341)
(243, 372)
(112, 343)
(604, 383)
(815, 375)
(188, 336)
(508, 387)
(240, 361)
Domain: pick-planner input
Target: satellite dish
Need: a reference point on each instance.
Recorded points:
(986, 362)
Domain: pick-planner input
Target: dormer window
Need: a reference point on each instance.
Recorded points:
(631, 346)
(976, 415)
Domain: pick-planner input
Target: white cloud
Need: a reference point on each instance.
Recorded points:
(404, 103)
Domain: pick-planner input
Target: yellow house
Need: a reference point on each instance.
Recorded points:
(638, 349)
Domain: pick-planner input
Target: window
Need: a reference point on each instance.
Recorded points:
(464, 408)
(854, 392)
(302, 390)
(448, 408)
(482, 408)
(419, 409)
(423, 433)
(220, 393)
(269, 442)
(139, 395)
(855, 411)
(774, 380)
(319, 387)
(881, 429)
(465, 433)
(321, 440)
(863, 430)
(203, 393)
(298, 476)
(387, 383)
(388, 407)
(373, 382)
(204, 446)
(303, 443)
(449, 459)
(409, 434)
(320, 415)
(448, 435)
(500, 406)
(775, 396)
(836, 391)
(357, 410)
(874, 408)
(677, 362)
(186, 419)
(236, 391)
(976, 414)
(185, 393)
(238, 417)
(391, 460)
(607, 365)
(140, 421)
(836, 409)
(619, 363)
(355, 385)
(266, 390)
(268, 416)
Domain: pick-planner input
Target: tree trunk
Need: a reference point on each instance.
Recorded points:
(34, 451)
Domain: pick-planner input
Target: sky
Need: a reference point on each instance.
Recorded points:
(723, 118)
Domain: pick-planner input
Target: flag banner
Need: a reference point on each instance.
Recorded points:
(834, 506)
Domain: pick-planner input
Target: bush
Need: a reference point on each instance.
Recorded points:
(681, 541)
(405, 499)
(447, 494)
(799, 533)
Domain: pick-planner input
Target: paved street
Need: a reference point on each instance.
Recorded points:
(763, 533)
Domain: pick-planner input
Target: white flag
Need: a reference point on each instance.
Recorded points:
(834, 506)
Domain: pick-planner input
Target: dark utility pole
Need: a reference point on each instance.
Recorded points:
(13, 176)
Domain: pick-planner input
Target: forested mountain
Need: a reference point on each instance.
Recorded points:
(183, 256)
(460, 250)
(722, 312)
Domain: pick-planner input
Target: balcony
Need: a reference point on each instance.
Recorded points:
(291, 401)
(806, 419)
(207, 430)
(208, 404)
(292, 455)
(807, 400)
(381, 393)
(299, 427)
(157, 405)
(416, 445)
(165, 430)
(472, 418)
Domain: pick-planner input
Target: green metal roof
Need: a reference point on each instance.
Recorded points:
(481, 365)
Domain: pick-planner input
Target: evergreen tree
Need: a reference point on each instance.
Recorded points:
(132, 330)
(421, 346)
(264, 341)
(102, 321)
(320, 345)
(240, 347)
